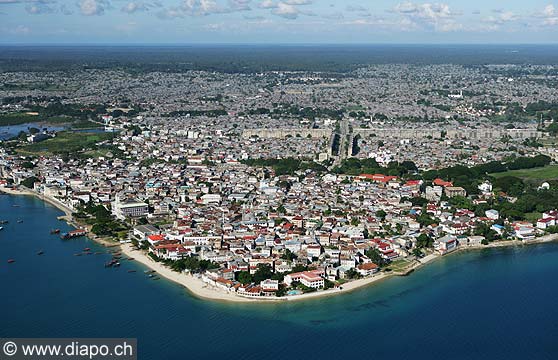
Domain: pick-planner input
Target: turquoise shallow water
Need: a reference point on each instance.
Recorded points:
(490, 304)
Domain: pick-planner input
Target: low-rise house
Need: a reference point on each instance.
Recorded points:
(544, 223)
(367, 269)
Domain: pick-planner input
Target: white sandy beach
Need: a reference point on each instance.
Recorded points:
(198, 288)
(194, 285)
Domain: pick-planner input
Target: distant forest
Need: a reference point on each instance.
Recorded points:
(258, 58)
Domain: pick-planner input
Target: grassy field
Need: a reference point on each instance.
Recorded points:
(17, 119)
(399, 265)
(546, 173)
(66, 142)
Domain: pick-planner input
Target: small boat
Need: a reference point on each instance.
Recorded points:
(98, 253)
(88, 253)
(87, 249)
(150, 275)
(131, 271)
(117, 264)
(40, 252)
(156, 278)
(19, 221)
(130, 259)
(1, 228)
(10, 261)
(15, 205)
(78, 254)
(54, 231)
(4, 221)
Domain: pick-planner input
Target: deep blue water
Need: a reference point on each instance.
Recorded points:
(490, 304)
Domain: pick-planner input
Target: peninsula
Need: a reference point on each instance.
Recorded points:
(288, 185)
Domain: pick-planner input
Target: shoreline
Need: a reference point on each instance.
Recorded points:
(197, 288)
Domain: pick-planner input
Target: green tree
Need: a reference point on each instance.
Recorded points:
(374, 255)
(262, 273)
(424, 241)
(381, 214)
(244, 277)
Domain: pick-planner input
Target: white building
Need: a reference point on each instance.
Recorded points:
(311, 279)
(129, 208)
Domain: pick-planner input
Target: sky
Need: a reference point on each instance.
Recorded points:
(277, 21)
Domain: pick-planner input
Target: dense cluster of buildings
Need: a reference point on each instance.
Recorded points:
(175, 174)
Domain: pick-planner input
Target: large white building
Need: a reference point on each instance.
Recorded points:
(129, 208)
(311, 279)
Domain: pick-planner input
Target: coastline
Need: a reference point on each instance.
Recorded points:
(196, 287)
(202, 290)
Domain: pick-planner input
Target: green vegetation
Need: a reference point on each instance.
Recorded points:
(17, 119)
(353, 166)
(375, 256)
(399, 265)
(102, 221)
(287, 166)
(262, 273)
(54, 113)
(28, 183)
(43, 86)
(67, 142)
(424, 241)
(470, 178)
(194, 113)
(544, 173)
(192, 264)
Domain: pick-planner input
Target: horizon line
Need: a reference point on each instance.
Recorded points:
(282, 44)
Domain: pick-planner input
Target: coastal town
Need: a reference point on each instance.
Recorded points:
(288, 185)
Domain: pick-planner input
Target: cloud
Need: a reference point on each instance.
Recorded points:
(430, 16)
(137, 6)
(505, 16)
(66, 10)
(20, 30)
(170, 13)
(286, 11)
(297, 2)
(93, 7)
(549, 15)
(202, 7)
(267, 4)
(39, 8)
(240, 5)
(501, 18)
